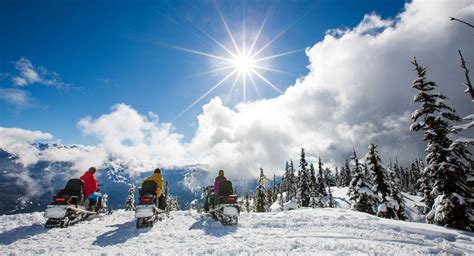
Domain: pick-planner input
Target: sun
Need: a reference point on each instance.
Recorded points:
(242, 63)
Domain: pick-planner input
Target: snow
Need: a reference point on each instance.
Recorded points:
(314, 231)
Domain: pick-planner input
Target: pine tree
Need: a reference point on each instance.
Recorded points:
(303, 181)
(247, 203)
(380, 186)
(269, 200)
(281, 201)
(275, 189)
(316, 197)
(446, 165)
(291, 181)
(360, 193)
(321, 187)
(337, 178)
(260, 195)
(331, 203)
(312, 180)
(346, 174)
(395, 195)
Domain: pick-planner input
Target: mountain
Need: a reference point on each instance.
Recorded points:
(326, 231)
(30, 188)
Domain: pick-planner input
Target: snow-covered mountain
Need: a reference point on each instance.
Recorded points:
(30, 188)
(304, 231)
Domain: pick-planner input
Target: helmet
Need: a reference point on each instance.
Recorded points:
(221, 172)
(157, 170)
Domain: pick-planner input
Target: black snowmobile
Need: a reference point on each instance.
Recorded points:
(222, 207)
(149, 209)
(69, 205)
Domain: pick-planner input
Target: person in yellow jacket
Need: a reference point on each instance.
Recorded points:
(158, 179)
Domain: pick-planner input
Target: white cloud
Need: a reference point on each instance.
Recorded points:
(29, 74)
(19, 142)
(18, 98)
(139, 141)
(357, 92)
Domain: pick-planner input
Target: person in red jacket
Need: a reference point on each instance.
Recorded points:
(90, 182)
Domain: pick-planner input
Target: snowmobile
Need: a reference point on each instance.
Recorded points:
(222, 207)
(69, 205)
(149, 209)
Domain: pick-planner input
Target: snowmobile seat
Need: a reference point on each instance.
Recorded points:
(75, 189)
(148, 187)
(225, 188)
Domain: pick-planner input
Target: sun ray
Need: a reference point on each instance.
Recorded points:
(274, 70)
(198, 52)
(216, 41)
(243, 27)
(205, 94)
(255, 85)
(244, 86)
(268, 82)
(260, 31)
(281, 33)
(227, 29)
(211, 71)
(243, 61)
(278, 55)
(232, 87)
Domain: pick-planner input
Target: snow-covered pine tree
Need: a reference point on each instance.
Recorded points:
(281, 202)
(247, 202)
(292, 182)
(321, 186)
(331, 203)
(286, 180)
(260, 195)
(380, 186)
(303, 181)
(360, 193)
(413, 176)
(446, 164)
(312, 179)
(269, 199)
(328, 177)
(275, 189)
(395, 197)
(337, 179)
(346, 174)
(316, 197)
(461, 142)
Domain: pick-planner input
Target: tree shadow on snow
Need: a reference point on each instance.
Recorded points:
(19, 233)
(120, 235)
(212, 227)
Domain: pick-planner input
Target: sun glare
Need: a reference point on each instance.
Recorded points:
(241, 62)
(244, 63)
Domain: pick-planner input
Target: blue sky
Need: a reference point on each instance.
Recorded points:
(106, 54)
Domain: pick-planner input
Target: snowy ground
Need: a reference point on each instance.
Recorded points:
(314, 231)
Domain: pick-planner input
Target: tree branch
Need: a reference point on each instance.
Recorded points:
(470, 25)
(469, 88)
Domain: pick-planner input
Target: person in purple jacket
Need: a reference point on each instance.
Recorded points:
(217, 181)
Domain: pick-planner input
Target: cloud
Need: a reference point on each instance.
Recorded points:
(19, 142)
(357, 92)
(20, 99)
(141, 142)
(29, 74)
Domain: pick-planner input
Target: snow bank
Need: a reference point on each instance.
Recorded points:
(314, 231)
